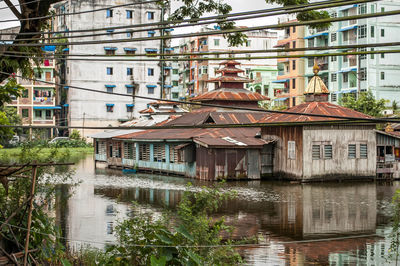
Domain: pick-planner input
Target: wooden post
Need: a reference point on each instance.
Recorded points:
(34, 172)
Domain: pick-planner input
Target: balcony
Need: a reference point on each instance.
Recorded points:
(43, 100)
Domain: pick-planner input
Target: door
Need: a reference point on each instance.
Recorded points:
(253, 164)
(48, 76)
(267, 156)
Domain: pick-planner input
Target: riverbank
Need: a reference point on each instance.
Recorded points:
(80, 152)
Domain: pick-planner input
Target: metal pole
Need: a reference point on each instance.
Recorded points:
(161, 56)
(83, 125)
(34, 172)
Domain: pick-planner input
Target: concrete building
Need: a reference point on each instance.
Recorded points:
(263, 81)
(291, 70)
(352, 74)
(37, 105)
(144, 78)
(194, 74)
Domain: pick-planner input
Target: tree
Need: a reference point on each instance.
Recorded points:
(364, 103)
(190, 9)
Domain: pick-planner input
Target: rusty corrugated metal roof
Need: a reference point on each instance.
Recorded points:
(230, 95)
(320, 108)
(230, 79)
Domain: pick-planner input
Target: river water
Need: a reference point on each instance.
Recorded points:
(300, 224)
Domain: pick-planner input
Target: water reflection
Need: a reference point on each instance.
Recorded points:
(294, 219)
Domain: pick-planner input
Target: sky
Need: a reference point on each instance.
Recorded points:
(237, 6)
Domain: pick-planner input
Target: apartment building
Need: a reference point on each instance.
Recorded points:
(144, 78)
(193, 75)
(291, 70)
(357, 73)
(37, 104)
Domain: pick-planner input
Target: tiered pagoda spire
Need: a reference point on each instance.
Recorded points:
(230, 88)
(316, 90)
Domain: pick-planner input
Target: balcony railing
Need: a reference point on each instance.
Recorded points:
(43, 100)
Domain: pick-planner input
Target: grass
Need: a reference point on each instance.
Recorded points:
(13, 154)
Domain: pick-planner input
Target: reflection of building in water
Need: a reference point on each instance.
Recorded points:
(92, 217)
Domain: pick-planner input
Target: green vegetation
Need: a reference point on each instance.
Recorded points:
(364, 103)
(188, 237)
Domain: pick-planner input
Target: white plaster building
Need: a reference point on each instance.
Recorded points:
(351, 74)
(84, 108)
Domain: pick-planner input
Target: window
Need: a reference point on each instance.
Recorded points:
(216, 42)
(175, 95)
(373, 8)
(248, 43)
(25, 93)
(328, 152)
(129, 90)
(293, 65)
(362, 8)
(382, 32)
(310, 62)
(175, 83)
(372, 32)
(333, 77)
(352, 151)
(129, 34)
(362, 56)
(333, 37)
(110, 108)
(110, 210)
(150, 72)
(129, 108)
(248, 56)
(345, 59)
(175, 71)
(294, 29)
(129, 14)
(382, 9)
(362, 31)
(363, 74)
(129, 71)
(316, 152)
(334, 15)
(382, 55)
(372, 55)
(110, 89)
(110, 52)
(294, 44)
(310, 42)
(382, 75)
(150, 15)
(363, 151)
(49, 115)
(109, 70)
(25, 113)
(292, 150)
(345, 77)
(109, 13)
(345, 36)
(293, 84)
(150, 90)
(151, 33)
(110, 228)
(333, 97)
(38, 113)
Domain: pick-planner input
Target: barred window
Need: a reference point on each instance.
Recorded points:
(328, 151)
(362, 31)
(159, 152)
(352, 151)
(129, 150)
(363, 151)
(144, 152)
(316, 152)
(333, 37)
(333, 77)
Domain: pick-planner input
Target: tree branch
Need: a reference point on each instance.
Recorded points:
(13, 9)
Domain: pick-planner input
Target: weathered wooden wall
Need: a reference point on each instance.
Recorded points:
(283, 167)
(340, 166)
(214, 164)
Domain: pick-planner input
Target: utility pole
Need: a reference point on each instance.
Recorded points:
(83, 125)
(161, 56)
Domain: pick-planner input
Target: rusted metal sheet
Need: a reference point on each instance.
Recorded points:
(232, 95)
(320, 108)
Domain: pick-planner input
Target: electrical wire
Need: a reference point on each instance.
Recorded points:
(335, 47)
(395, 51)
(319, 4)
(216, 32)
(372, 120)
(23, 4)
(80, 12)
(196, 23)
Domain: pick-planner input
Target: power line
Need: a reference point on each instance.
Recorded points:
(215, 58)
(23, 4)
(374, 120)
(297, 9)
(216, 32)
(80, 12)
(320, 4)
(333, 47)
